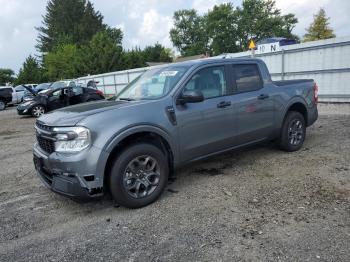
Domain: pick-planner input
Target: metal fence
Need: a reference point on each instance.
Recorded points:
(326, 61)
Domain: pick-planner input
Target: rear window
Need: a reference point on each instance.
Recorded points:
(247, 77)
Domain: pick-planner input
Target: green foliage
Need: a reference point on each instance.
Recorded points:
(102, 54)
(68, 22)
(6, 76)
(61, 63)
(227, 29)
(189, 33)
(156, 53)
(31, 72)
(319, 28)
(222, 29)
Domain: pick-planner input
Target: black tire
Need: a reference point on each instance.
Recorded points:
(121, 174)
(2, 105)
(293, 132)
(35, 111)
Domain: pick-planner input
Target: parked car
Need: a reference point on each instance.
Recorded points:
(5, 96)
(54, 98)
(164, 119)
(19, 91)
(29, 95)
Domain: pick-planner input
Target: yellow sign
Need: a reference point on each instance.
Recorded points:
(251, 44)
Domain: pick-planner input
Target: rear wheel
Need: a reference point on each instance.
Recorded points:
(293, 132)
(139, 175)
(2, 105)
(38, 110)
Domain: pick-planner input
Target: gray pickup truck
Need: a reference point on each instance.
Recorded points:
(167, 117)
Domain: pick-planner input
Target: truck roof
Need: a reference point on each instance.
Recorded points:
(210, 60)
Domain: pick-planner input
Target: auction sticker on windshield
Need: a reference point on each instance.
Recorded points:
(168, 73)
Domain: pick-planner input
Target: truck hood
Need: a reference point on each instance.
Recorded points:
(71, 115)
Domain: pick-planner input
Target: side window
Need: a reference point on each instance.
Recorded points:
(19, 88)
(247, 78)
(210, 81)
(56, 93)
(78, 90)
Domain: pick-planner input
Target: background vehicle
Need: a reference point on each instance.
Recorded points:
(19, 91)
(29, 95)
(168, 117)
(5, 96)
(54, 98)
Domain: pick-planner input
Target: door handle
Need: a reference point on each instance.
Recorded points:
(263, 96)
(223, 104)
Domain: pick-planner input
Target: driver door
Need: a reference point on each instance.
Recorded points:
(56, 100)
(206, 127)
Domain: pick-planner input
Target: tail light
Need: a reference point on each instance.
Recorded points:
(99, 92)
(315, 92)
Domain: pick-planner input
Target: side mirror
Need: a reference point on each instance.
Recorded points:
(193, 96)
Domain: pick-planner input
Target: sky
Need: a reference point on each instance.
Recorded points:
(144, 22)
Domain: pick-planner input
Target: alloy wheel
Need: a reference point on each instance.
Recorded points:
(295, 132)
(2, 105)
(38, 111)
(141, 176)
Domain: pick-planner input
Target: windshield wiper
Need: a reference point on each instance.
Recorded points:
(126, 99)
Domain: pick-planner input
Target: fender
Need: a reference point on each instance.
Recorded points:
(294, 100)
(130, 130)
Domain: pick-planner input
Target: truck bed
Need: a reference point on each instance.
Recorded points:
(282, 83)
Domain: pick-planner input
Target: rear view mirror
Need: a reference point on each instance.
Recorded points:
(65, 91)
(193, 96)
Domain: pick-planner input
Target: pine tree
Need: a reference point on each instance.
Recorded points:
(68, 22)
(319, 28)
(31, 72)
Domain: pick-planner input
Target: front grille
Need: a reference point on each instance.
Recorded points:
(46, 144)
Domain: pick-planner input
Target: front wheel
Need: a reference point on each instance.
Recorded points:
(293, 132)
(139, 175)
(38, 110)
(2, 105)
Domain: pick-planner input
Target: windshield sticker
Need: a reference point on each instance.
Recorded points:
(168, 73)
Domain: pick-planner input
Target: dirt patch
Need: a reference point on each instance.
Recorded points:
(259, 204)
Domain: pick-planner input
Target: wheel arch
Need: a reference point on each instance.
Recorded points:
(298, 104)
(150, 135)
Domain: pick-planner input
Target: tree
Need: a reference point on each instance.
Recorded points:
(6, 76)
(319, 28)
(222, 29)
(259, 19)
(227, 29)
(31, 72)
(188, 34)
(134, 58)
(68, 22)
(62, 62)
(156, 53)
(102, 54)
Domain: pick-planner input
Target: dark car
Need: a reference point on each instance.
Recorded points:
(29, 95)
(5, 96)
(51, 99)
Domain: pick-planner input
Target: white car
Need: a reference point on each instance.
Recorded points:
(18, 93)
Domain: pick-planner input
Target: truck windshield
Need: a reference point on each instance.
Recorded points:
(153, 84)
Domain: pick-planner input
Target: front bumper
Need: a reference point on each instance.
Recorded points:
(72, 176)
(22, 111)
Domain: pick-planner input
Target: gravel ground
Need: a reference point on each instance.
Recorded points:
(259, 204)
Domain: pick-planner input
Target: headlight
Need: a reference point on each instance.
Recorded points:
(71, 139)
(27, 103)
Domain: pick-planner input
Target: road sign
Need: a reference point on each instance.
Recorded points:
(251, 44)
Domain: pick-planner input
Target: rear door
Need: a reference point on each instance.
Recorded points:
(206, 127)
(252, 102)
